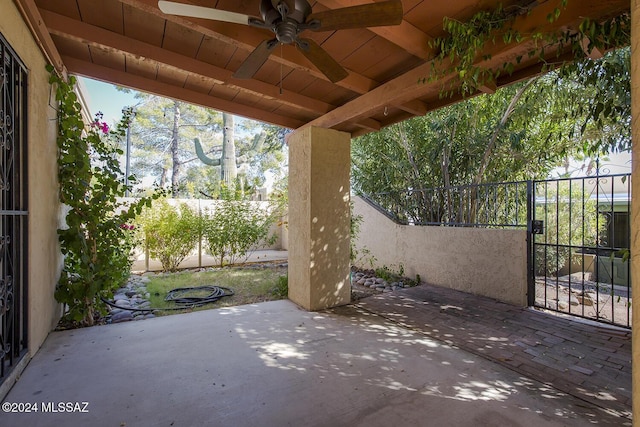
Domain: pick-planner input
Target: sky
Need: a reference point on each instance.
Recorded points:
(104, 97)
(611, 164)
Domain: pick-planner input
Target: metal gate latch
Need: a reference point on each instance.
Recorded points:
(537, 226)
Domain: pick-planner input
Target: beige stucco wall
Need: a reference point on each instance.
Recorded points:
(44, 259)
(485, 262)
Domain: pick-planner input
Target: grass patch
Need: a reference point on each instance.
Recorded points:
(250, 286)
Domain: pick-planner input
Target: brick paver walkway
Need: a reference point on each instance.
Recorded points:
(591, 362)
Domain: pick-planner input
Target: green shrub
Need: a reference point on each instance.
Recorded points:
(281, 290)
(170, 233)
(234, 228)
(358, 256)
(389, 273)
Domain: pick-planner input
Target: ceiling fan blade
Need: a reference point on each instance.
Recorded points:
(362, 16)
(182, 9)
(322, 60)
(255, 60)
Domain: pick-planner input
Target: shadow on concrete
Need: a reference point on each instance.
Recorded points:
(273, 364)
(588, 360)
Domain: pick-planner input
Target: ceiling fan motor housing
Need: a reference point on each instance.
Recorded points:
(286, 32)
(285, 25)
(272, 16)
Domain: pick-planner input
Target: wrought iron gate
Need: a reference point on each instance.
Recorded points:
(13, 209)
(579, 246)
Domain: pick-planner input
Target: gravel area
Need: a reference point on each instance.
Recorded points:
(594, 300)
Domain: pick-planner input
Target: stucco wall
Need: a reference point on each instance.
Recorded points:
(44, 259)
(479, 261)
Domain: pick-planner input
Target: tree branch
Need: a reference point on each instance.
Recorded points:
(486, 158)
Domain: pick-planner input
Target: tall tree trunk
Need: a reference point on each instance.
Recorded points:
(488, 151)
(229, 170)
(175, 171)
(496, 132)
(163, 177)
(446, 177)
(419, 196)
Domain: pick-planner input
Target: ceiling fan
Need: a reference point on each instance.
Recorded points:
(287, 19)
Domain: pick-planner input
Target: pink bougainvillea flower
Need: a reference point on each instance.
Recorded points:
(103, 126)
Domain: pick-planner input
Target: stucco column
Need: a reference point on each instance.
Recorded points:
(319, 168)
(635, 205)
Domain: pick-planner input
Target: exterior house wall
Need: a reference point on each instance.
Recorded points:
(486, 262)
(44, 258)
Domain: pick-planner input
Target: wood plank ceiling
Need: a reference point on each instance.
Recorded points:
(133, 44)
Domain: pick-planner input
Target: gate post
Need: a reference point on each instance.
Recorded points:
(531, 278)
(635, 205)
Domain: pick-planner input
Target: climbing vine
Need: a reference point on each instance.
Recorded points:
(463, 50)
(464, 45)
(459, 63)
(97, 240)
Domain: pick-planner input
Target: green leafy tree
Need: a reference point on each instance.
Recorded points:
(601, 104)
(597, 102)
(192, 149)
(520, 132)
(97, 241)
(483, 139)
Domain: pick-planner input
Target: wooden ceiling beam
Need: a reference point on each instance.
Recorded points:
(404, 35)
(488, 87)
(248, 39)
(104, 39)
(88, 69)
(404, 88)
(415, 107)
(33, 19)
(369, 124)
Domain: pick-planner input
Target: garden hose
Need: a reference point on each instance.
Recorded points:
(178, 296)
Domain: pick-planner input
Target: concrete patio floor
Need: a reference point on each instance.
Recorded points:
(273, 364)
